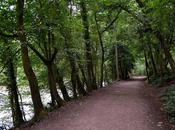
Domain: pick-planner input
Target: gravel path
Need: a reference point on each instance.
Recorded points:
(121, 106)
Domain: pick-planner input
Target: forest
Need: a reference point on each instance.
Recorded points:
(56, 51)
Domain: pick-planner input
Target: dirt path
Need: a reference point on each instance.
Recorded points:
(122, 106)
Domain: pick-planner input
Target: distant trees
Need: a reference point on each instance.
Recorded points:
(159, 37)
(73, 42)
(125, 62)
(156, 32)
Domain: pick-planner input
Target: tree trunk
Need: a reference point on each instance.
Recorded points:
(102, 53)
(59, 80)
(12, 86)
(90, 69)
(74, 84)
(152, 58)
(161, 68)
(36, 98)
(80, 87)
(75, 79)
(166, 50)
(52, 85)
(33, 83)
(146, 64)
(82, 71)
(169, 56)
(117, 62)
(72, 65)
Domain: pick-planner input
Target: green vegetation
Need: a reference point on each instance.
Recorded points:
(168, 97)
(67, 49)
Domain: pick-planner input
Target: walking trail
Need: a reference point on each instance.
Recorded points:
(122, 106)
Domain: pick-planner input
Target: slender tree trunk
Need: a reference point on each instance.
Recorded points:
(75, 78)
(146, 64)
(82, 71)
(102, 53)
(102, 63)
(90, 68)
(117, 62)
(76, 82)
(33, 83)
(166, 50)
(12, 86)
(106, 79)
(22, 106)
(152, 58)
(52, 85)
(169, 57)
(161, 67)
(80, 87)
(59, 80)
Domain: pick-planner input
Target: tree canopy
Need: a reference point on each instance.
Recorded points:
(72, 47)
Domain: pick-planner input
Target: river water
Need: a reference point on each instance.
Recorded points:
(5, 110)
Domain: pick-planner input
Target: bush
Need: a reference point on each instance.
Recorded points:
(168, 98)
(156, 79)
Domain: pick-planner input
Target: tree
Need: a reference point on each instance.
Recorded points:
(59, 80)
(8, 56)
(36, 98)
(91, 79)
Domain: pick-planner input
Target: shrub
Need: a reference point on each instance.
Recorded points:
(168, 98)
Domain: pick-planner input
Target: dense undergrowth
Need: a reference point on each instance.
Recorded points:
(167, 94)
(168, 98)
(159, 81)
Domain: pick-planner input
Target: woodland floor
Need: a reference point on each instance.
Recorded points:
(125, 105)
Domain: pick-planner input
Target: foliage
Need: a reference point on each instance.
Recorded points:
(139, 68)
(168, 98)
(125, 61)
(156, 80)
(77, 38)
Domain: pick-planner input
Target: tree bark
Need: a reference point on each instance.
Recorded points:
(81, 67)
(80, 87)
(146, 64)
(75, 79)
(90, 67)
(169, 57)
(13, 92)
(152, 58)
(52, 85)
(48, 60)
(33, 83)
(59, 80)
(102, 52)
(117, 62)
(74, 84)
(166, 50)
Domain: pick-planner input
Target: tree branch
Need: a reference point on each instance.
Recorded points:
(111, 23)
(5, 64)
(138, 17)
(54, 54)
(37, 53)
